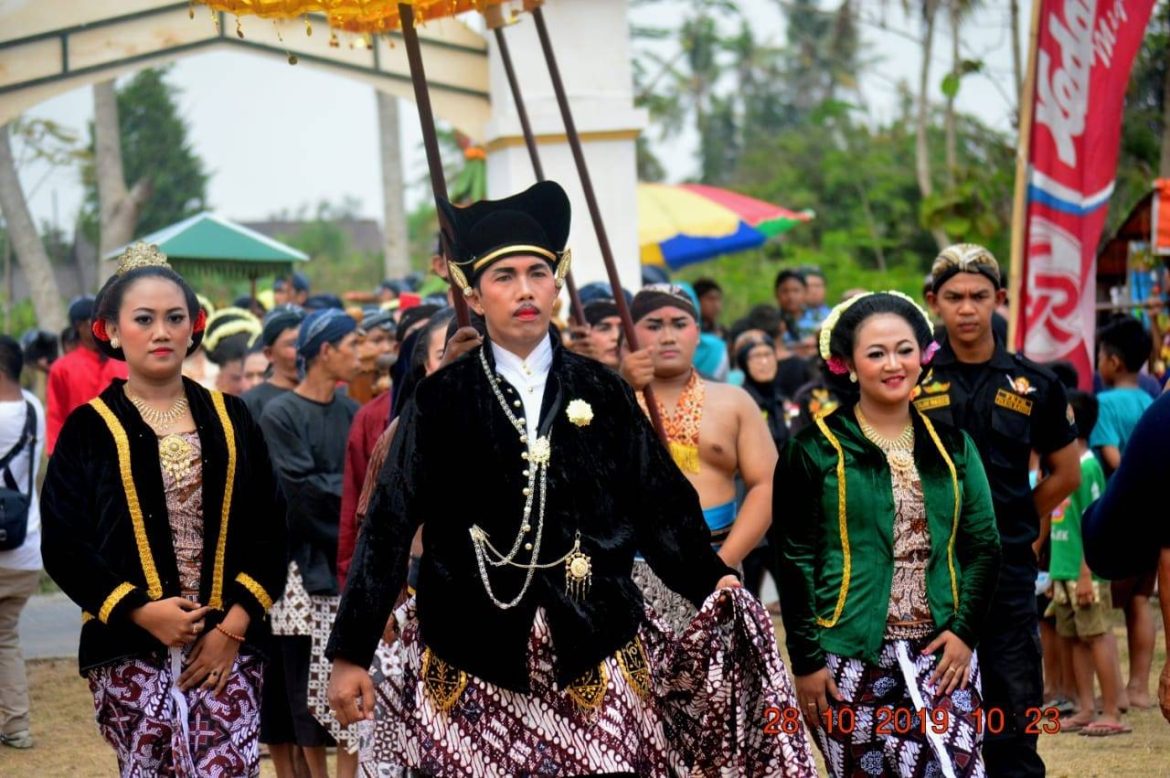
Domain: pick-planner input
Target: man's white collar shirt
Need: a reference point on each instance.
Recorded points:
(528, 376)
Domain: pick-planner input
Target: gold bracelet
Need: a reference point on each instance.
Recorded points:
(232, 635)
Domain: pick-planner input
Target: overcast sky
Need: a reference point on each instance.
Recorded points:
(275, 137)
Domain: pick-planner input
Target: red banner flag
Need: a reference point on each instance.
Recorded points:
(1082, 55)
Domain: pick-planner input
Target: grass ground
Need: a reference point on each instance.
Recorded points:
(68, 743)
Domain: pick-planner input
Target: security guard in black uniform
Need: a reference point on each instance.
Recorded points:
(1010, 406)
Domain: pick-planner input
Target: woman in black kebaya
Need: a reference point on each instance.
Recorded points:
(158, 520)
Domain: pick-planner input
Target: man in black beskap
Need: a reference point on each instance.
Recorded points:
(538, 478)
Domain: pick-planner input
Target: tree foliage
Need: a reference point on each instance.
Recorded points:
(155, 146)
(788, 125)
(1143, 131)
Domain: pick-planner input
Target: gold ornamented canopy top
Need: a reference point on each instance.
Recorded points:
(141, 255)
(360, 16)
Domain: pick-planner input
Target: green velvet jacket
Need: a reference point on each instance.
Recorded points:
(836, 574)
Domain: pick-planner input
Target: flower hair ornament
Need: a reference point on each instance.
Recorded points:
(835, 363)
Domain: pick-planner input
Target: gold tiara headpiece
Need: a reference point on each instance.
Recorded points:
(141, 255)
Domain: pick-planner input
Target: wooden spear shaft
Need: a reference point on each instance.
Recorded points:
(426, 117)
(576, 311)
(558, 85)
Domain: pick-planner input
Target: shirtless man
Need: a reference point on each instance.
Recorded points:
(715, 431)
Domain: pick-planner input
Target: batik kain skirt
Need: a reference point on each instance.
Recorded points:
(660, 706)
(323, 612)
(157, 729)
(893, 722)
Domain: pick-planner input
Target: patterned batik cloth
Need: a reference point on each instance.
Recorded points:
(323, 612)
(182, 476)
(671, 608)
(703, 712)
(157, 729)
(292, 613)
(909, 616)
(890, 696)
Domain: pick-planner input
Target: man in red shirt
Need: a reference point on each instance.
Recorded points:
(80, 375)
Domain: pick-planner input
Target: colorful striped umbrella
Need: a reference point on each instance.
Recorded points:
(686, 223)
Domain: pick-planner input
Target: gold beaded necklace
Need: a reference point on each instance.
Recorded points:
(899, 451)
(174, 451)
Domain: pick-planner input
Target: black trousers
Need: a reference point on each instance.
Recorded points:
(1013, 675)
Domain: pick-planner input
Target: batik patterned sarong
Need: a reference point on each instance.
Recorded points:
(699, 710)
(672, 609)
(156, 729)
(351, 738)
(893, 722)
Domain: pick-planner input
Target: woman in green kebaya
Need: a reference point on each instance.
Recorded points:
(888, 555)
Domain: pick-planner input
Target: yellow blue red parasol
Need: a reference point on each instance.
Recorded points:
(686, 223)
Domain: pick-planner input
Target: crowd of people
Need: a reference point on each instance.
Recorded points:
(530, 546)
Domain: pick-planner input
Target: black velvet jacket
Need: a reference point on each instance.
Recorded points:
(111, 554)
(456, 461)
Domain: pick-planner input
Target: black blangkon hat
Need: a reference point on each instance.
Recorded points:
(534, 222)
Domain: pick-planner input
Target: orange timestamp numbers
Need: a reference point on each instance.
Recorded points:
(888, 720)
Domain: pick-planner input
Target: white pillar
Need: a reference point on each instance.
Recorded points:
(592, 42)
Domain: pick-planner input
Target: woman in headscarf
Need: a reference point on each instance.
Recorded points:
(157, 520)
(757, 360)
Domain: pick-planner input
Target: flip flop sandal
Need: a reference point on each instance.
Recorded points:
(1105, 729)
(1069, 727)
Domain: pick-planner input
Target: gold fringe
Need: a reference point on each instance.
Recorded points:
(685, 456)
(122, 444)
(588, 691)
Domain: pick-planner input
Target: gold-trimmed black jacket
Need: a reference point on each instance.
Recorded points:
(106, 537)
(456, 461)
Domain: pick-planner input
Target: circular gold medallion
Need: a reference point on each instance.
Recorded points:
(579, 567)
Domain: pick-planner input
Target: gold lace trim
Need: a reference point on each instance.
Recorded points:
(122, 445)
(250, 583)
(111, 602)
(216, 599)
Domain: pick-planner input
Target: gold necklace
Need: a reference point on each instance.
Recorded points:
(160, 421)
(899, 451)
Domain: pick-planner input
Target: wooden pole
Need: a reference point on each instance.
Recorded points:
(574, 139)
(426, 117)
(576, 310)
(1019, 243)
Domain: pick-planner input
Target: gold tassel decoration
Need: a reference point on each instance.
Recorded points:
(686, 456)
(588, 691)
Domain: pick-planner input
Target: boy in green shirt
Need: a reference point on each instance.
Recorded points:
(1081, 601)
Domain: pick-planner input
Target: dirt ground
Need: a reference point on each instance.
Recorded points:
(68, 743)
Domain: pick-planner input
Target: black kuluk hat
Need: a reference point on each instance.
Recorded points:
(534, 222)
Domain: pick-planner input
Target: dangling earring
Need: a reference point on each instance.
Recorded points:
(190, 342)
(852, 377)
(115, 343)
